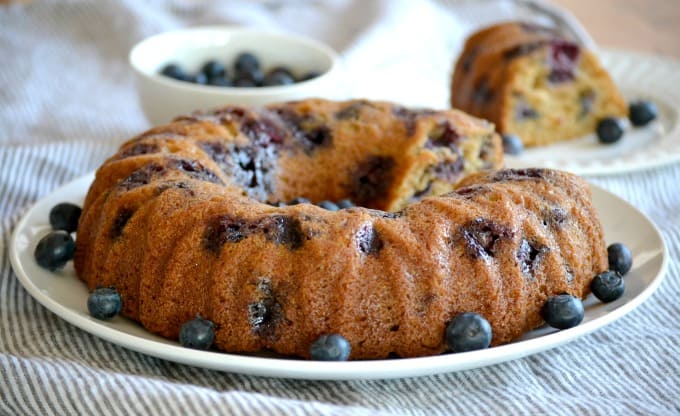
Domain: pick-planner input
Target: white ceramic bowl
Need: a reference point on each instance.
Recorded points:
(163, 98)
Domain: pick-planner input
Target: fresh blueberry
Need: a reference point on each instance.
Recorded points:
(610, 130)
(468, 332)
(246, 62)
(173, 71)
(200, 79)
(255, 76)
(333, 347)
(198, 334)
(607, 286)
(620, 258)
(512, 144)
(563, 311)
(278, 78)
(282, 69)
(345, 203)
(55, 250)
(213, 69)
(299, 200)
(219, 81)
(244, 83)
(642, 112)
(104, 303)
(309, 75)
(328, 205)
(65, 216)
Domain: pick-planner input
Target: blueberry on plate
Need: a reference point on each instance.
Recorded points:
(468, 331)
(620, 258)
(198, 334)
(55, 250)
(309, 75)
(65, 216)
(610, 130)
(512, 144)
(563, 311)
(328, 205)
(174, 71)
(607, 286)
(642, 112)
(104, 303)
(213, 69)
(333, 347)
(199, 78)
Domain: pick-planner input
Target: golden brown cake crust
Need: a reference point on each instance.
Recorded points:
(171, 225)
(529, 81)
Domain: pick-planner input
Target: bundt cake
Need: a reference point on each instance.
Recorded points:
(531, 82)
(176, 222)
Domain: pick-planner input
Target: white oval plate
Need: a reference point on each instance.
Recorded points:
(65, 295)
(639, 76)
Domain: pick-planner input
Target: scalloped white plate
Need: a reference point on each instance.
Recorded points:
(639, 76)
(66, 296)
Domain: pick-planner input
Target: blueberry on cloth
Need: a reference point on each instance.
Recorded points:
(563, 311)
(333, 347)
(173, 71)
(54, 250)
(512, 144)
(468, 331)
(198, 334)
(607, 286)
(610, 130)
(65, 216)
(642, 112)
(620, 258)
(104, 303)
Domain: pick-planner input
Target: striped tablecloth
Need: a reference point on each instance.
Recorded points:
(67, 101)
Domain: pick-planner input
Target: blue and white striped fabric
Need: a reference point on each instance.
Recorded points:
(67, 101)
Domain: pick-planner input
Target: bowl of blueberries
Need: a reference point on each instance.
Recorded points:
(181, 71)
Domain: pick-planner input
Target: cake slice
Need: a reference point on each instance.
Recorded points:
(531, 82)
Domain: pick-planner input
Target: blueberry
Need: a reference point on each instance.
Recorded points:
(607, 286)
(65, 216)
(309, 75)
(299, 200)
(333, 347)
(620, 258)
(244, 83)
(213, 69)
(54, 250)
(563, 311)
(610, 130)
(642, 112)
(246, 62)
(328, 205)
(512, 144)
(199, 78)
(255, 76)
(173, 71)
(219, 81)
(345, 203)
(468, 332)
(278, 78)
(198, 334)
(104, 303)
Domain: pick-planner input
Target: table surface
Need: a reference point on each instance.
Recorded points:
(641, 25)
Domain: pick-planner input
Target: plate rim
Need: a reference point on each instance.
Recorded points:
(292, 368)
